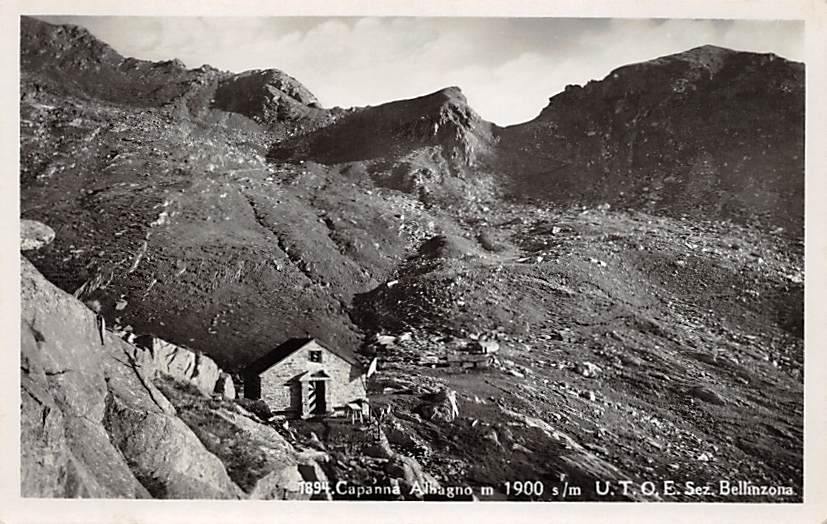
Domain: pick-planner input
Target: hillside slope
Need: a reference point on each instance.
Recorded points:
(710, 132)
(180, 216)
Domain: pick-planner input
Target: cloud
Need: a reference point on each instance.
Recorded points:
(507, 67)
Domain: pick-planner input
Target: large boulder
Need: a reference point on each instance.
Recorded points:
(441, 406)
(257, 457)
(165, 455)
(182, 363)
(225, 387)
(68, 456)
(287, 483)
(34, 235)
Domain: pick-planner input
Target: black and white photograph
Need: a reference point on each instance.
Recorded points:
(412, 258)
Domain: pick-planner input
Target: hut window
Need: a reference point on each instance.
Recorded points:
(315, 356)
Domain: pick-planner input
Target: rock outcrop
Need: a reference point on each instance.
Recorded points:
(178, 362)
(94, 424)
(395, 130)
(270, 97)
(258, 459)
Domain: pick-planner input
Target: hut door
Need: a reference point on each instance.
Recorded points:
(316, 401)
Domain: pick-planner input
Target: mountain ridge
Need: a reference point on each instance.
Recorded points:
(669, 136)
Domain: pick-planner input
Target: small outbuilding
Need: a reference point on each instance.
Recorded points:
(303, 379)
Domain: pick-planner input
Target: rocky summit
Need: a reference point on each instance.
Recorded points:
(710, 133)
(610, 291)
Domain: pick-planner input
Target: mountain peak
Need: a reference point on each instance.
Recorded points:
(395, 129)
(65, 42)
(708, 49)
(431, 103)
(280, 81)
(708, 56)
(450, 93)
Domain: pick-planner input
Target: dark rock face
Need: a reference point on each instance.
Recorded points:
(709, 133)
(273, 99)
(393, 130)
(266, 96)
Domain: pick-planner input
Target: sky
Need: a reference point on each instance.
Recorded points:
(506, 67)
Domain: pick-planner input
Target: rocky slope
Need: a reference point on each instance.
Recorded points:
(69, 61)
(159, 202)
(662, 346)
(709, 133)
(430, 147)
(102, 418)
(94, 424)
(636, 250)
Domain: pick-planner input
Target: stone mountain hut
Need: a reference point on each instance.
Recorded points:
(303, 379)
